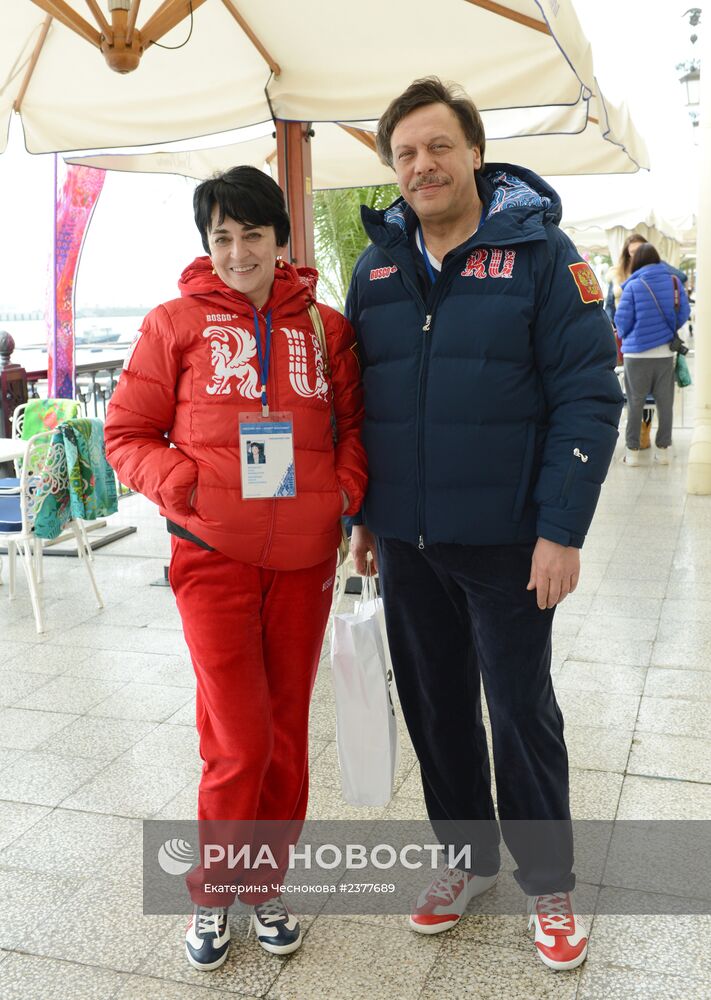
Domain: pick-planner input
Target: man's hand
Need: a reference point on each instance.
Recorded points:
(555, 570)
(363, 542)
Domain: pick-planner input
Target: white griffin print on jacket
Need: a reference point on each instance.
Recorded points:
(232, 350)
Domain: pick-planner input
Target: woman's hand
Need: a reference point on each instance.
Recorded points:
(363, 542)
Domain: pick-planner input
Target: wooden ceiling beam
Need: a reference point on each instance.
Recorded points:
(167, 16)
(104, 25)
(367, 138)
(266, 56)
(70, 19)
(131, 23)
(512, 15)
(17, 103)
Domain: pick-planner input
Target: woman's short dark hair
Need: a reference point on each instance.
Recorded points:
(245, 194)
(643, 255)
(431, 90)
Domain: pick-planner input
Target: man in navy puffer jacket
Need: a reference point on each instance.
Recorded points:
(491, 418)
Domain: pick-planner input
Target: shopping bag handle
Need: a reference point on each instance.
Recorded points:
(369, 590)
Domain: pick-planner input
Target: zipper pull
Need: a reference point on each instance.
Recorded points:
(578, 454)
(421, 543)
(428, 323)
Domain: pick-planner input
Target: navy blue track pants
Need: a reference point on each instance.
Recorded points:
(457, 616)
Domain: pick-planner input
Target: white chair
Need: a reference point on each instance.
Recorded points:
(44, 476)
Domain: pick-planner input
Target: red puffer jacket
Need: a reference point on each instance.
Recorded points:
(190, 373)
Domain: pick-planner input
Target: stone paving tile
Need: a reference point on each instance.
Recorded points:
(150, 702)
(666, 756)
(598, 749)
(9, 650)
(41, 659)
(594, 794)
(8, 756)
(14, 686)
(686, 610)
(603, 677)
(21, 729)
(651, 943)
(248, 969)
(633, 605)
(490, 973)
(90, 915)
(598, 709)
(675, 716)
(370, 963)
(29, 977)
(66, 843)
(29, 900)
(142, 668)
(326, 802)
(103, 739)
(68, 694)
(662, 798)
(683, 653)
(689, 684)
(626, 652)
(126, 639)
(145, 988)
(611, 983)
(16, 818)
(45, 779)
(183, 805)
(621, 587)
(125, 788)
(618, 628)
(675, 629)
(185, 716)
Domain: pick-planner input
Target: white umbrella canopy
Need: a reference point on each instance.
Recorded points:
(248, 60)
(344, 156)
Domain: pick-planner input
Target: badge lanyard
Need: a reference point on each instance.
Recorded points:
(263, 358)
(426, 256)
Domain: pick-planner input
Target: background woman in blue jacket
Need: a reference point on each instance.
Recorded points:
(651, 309)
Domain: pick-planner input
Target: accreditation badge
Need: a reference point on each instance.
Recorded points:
(266, 447)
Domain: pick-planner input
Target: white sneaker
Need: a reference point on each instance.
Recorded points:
(560, 937)
(278, 930)
(207, 938)
(632, 457)
(662, 456)
(441, 905)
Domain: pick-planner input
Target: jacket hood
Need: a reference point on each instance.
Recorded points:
(290, 282)
(521, 199)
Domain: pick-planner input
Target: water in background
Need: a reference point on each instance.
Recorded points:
(30, 338)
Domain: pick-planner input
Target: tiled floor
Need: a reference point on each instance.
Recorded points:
(96, 733)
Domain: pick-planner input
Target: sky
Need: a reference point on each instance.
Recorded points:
(142, 233)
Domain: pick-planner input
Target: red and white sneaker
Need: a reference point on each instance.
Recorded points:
(441, 905)
(560, 936)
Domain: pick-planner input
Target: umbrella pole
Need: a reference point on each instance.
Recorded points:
(699, 470)
(294, 166)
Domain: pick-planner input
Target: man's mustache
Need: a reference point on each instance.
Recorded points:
(427, 181)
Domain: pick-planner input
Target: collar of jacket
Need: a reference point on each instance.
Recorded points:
(293, 290)
(660, 270)
(517, 205)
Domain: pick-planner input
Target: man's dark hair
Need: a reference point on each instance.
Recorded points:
(245, 194)
(431, 90)
(643, 255)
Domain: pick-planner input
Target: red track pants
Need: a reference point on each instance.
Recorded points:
(255, 637)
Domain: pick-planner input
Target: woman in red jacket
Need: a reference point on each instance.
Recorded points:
(233, 371)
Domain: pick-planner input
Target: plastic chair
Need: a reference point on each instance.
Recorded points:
(46, 505)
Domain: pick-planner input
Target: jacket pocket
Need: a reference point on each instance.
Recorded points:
(526, 469)
(577, 458)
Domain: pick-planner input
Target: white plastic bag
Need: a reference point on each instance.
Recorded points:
(366, 730)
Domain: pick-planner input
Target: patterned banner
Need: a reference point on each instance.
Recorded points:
(74, 205)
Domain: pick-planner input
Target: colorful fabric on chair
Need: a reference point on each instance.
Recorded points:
(87, 489)
(46, 414)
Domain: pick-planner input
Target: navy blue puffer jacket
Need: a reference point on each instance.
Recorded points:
(491, 403)
(643, 323)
